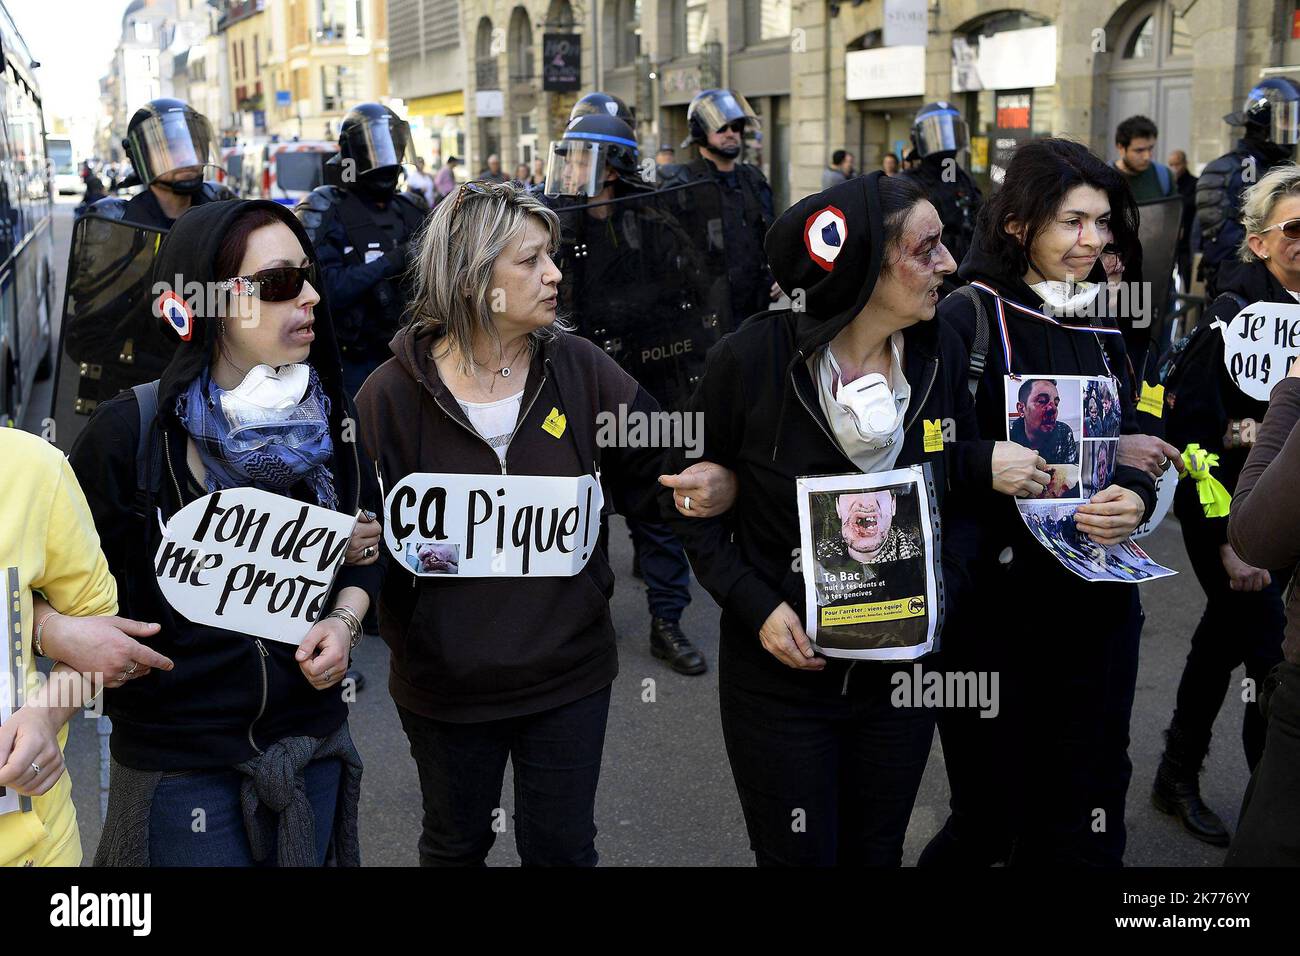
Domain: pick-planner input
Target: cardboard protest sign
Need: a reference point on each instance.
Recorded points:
(493, 525)
(871, 564)
(12, 679)
(1073, 422)
(253, 562)
(1259, 345)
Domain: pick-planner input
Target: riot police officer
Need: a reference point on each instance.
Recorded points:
(718, 120)
(635, 286)
(939, 133)
(361, 226)
(169, 144)
(110, 337)
(1271, 116)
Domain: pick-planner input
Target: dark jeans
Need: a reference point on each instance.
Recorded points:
(826, 782)
(1045, 782)
(556, 760)
(222, 840)
(1238, 627)
(1268, 831)
(665, 568)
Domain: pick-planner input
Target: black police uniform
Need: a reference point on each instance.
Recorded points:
(144, 209)
(360, 246)
(746, 215)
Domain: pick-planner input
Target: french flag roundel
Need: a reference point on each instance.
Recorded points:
(172, 309)
(824, 233)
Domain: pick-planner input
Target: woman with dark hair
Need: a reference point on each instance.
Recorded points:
(826, 765)
(253, 732)
(1047, 777)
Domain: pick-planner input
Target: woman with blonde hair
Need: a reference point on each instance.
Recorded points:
(486, 380)
(1243, 620)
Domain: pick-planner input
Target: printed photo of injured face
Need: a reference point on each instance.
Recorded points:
(868, 530)
(1046, 414)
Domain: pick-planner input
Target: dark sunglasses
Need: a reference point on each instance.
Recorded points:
(736, 126)
(1290, 228)
(271, 285)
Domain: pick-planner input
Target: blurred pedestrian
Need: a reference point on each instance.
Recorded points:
(492, 171)
(445, 181)
(1149, 180)
(840, 169)
(1185, 183)
(420, 182)
(889, 164)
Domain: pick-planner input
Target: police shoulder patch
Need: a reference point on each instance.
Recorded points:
(824, 234)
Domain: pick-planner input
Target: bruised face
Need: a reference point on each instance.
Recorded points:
(1040, 410)
(1071, 242)
(271, 333)
(865, 520)
(908, 287)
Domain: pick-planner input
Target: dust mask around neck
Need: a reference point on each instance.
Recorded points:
(870, 400)
(1066, 298)
(266, 394)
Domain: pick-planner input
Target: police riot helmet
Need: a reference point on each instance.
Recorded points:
(939, 128)
(376, 140)
(1273, 105)
(591, 145)
(606, 104)
(711, 110)
(165, 135)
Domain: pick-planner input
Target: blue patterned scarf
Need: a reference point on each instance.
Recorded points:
(274, 455)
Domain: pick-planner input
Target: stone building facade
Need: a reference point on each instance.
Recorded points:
(820, 78)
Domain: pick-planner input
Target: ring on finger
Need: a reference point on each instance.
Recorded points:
(686, 503)
(328, 676)
(132, 669)
(36, 768)
(368, 551)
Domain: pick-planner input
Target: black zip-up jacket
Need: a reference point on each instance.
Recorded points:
(1038, 346)
(1206, 401)
(230, 695)
(763, 419)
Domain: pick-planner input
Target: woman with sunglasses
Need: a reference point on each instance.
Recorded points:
(253, 732)
(1243, 622)
(1047, 777)
(486, 381)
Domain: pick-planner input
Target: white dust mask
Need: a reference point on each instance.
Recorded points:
(265, 395)
(870, 400)
(1066, 298)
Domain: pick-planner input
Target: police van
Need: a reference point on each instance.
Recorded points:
(285, 172)
(27, 277)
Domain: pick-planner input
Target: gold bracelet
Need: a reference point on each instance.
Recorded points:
(36, 634)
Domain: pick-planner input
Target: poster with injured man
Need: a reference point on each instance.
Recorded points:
(1073, 422)
(871, 565)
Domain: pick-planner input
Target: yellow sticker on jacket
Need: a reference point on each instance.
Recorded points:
(933, 434)
(1152, 400)
(555, 423)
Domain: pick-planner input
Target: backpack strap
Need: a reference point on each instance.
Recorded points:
(980, 348)
(148, 453)
(1164, 175)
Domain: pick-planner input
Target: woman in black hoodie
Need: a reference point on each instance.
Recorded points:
(827, 767)
(1048, 776)
(238, 720)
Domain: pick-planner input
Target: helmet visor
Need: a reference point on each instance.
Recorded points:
(723, 108)
(379, 142)
(1286, 121)
(177, 139)
(940, 132)
(575, 168)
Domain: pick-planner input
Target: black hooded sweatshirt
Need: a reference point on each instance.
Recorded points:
(763, 420)
(1038, 346)
(1205, 400)
(230, 695)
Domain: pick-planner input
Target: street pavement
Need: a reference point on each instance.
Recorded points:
(666, 795)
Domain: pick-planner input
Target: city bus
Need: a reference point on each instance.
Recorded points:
(66, 180)
(27, 276)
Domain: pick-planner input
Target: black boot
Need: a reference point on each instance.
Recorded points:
(1177, 790)
(667, 642)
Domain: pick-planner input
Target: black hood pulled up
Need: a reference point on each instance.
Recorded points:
(828, 247)
(186, 266)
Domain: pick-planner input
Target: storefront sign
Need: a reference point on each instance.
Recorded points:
(885, 72)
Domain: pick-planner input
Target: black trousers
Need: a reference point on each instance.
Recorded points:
(1238, 627)
(829, 781)
(1268, 831)
(556, 758)
(1045, 782)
